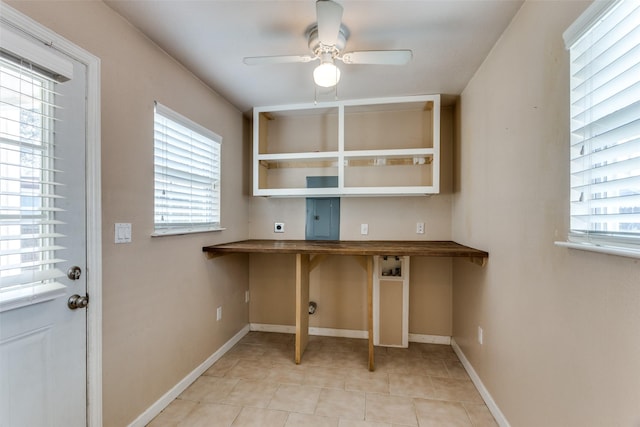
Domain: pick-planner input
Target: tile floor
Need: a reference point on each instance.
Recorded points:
(257, 384)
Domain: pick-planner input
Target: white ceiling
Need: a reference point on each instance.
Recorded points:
(449, 40)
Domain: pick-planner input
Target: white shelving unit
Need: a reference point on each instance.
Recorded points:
(383, 146)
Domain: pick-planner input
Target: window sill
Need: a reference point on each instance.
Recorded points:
(181, 231)
(609, 250)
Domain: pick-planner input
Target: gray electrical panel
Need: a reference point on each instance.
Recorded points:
(323, 213)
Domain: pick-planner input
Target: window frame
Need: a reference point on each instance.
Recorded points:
(608, 241)
(179, 228)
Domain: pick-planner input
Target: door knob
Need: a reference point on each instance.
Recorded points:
(76, 301)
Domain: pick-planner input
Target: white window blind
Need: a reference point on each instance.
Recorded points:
(29, 243)
(187, 175)
(605, 125)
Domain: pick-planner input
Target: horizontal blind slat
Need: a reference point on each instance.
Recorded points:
(32, 264)
(198, 167)
(600, 33)
(614, 102)
(627, 202)
(613, 69)
(627, 132)
(612, 168)
(32, 277)
(29, 250)
(180, 137)
(630, 185)
(606, 123)
(616, 43)
(30, 146)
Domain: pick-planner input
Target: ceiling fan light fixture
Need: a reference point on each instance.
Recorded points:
(326, 74)
(326, 40)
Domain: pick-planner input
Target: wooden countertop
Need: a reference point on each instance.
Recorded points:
(425, 248)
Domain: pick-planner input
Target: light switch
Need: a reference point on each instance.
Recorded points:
(123, 232)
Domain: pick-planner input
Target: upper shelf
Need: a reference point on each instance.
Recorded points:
(383, 146)
(389, 126)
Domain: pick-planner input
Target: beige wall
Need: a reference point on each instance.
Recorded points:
(160, 294)
(561, 327)
(338, 284)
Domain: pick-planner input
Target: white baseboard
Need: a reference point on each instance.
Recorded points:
(169, 396)
(488, 400)
(430, 339)
(345, 333)
(324, 332)
(340, 333)
(265, 327)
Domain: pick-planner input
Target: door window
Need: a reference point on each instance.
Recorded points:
(30, 243)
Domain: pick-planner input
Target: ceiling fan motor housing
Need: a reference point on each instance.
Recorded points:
(318, 48)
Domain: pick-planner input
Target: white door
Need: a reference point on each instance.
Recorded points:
(43, 342)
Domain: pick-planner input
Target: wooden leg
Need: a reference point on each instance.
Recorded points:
(302, 305)
(370, 310)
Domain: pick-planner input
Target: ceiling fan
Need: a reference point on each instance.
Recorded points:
(327, 38)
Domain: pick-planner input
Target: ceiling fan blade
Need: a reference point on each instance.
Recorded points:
(380, 57)
(329, 20)
(282, 59)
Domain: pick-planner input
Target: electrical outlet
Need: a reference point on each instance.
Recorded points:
(246, 296)
(278, 227)
(364, 229)
(419, 227)
(480, 335)
(219, 313)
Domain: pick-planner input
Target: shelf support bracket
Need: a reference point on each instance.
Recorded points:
(212, 255)
(481, 261)
(315, 261)
(362, 260)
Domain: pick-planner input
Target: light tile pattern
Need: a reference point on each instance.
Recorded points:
(257, 384)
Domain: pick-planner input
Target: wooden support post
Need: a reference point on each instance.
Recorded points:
(370, 310)
(302, 305)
